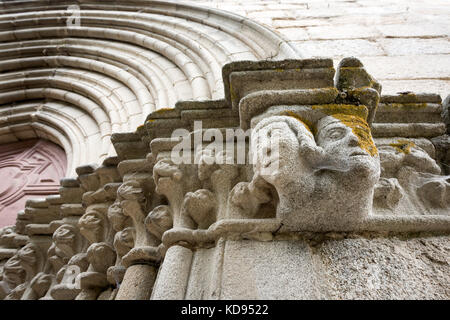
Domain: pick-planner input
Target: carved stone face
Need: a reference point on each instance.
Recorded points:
(420, 159)
(101, 256)
(131, 190)
(65, 239)
(13, 271)
(398, 154)
(91, 226)
(40, 283)
(165, 174)
(206, 163)
(159, 220)
(6, 231)
(116, 216)
(200, 201)
(7, 234)
(347, 139)
(28, 255)
(276, 148)
(388, 193)
(199, 206)
(124, 241)
(56, 257)
(133, 199)
(435, 191)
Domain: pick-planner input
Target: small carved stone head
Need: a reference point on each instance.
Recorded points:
(347, 140)
(14, 274)
(165, 174)
(65, 239)
(124, 241)
(92, 225)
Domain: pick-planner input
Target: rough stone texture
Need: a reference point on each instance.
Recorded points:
(205, 273)
(173, 277)
(380, 268)
(249, 269)
(138, 283)
(416, 268)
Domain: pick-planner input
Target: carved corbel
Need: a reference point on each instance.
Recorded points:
(137, 248)
(68, 284)
(220, 172)
(97, 229)
(13, 276)
(250, 197)
(133, 203)
(200, 206)
(168, 180)
(100, 257)
(123, 243)
(31, 260)
(314, 148)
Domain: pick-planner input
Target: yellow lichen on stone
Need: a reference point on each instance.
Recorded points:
(360, 129)
(162, 110)
(306, 123)
(403, 146)
(232, 93)
(360, 111)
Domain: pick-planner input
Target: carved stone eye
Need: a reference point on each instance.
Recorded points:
(274, 132)
(336, 133)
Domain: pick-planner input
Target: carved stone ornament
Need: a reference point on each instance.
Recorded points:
(304, 182)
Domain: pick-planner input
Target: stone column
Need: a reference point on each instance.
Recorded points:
(173, 276)
(137, 283)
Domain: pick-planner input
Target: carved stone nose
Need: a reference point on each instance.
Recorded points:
(353, 140)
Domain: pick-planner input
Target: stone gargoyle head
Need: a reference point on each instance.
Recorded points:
(324, 171)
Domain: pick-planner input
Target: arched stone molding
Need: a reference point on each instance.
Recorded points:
(53, 120)
(124, 60)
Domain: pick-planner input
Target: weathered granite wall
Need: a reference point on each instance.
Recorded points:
(349, 267)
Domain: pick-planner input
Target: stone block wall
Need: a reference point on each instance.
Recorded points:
(403, 44)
